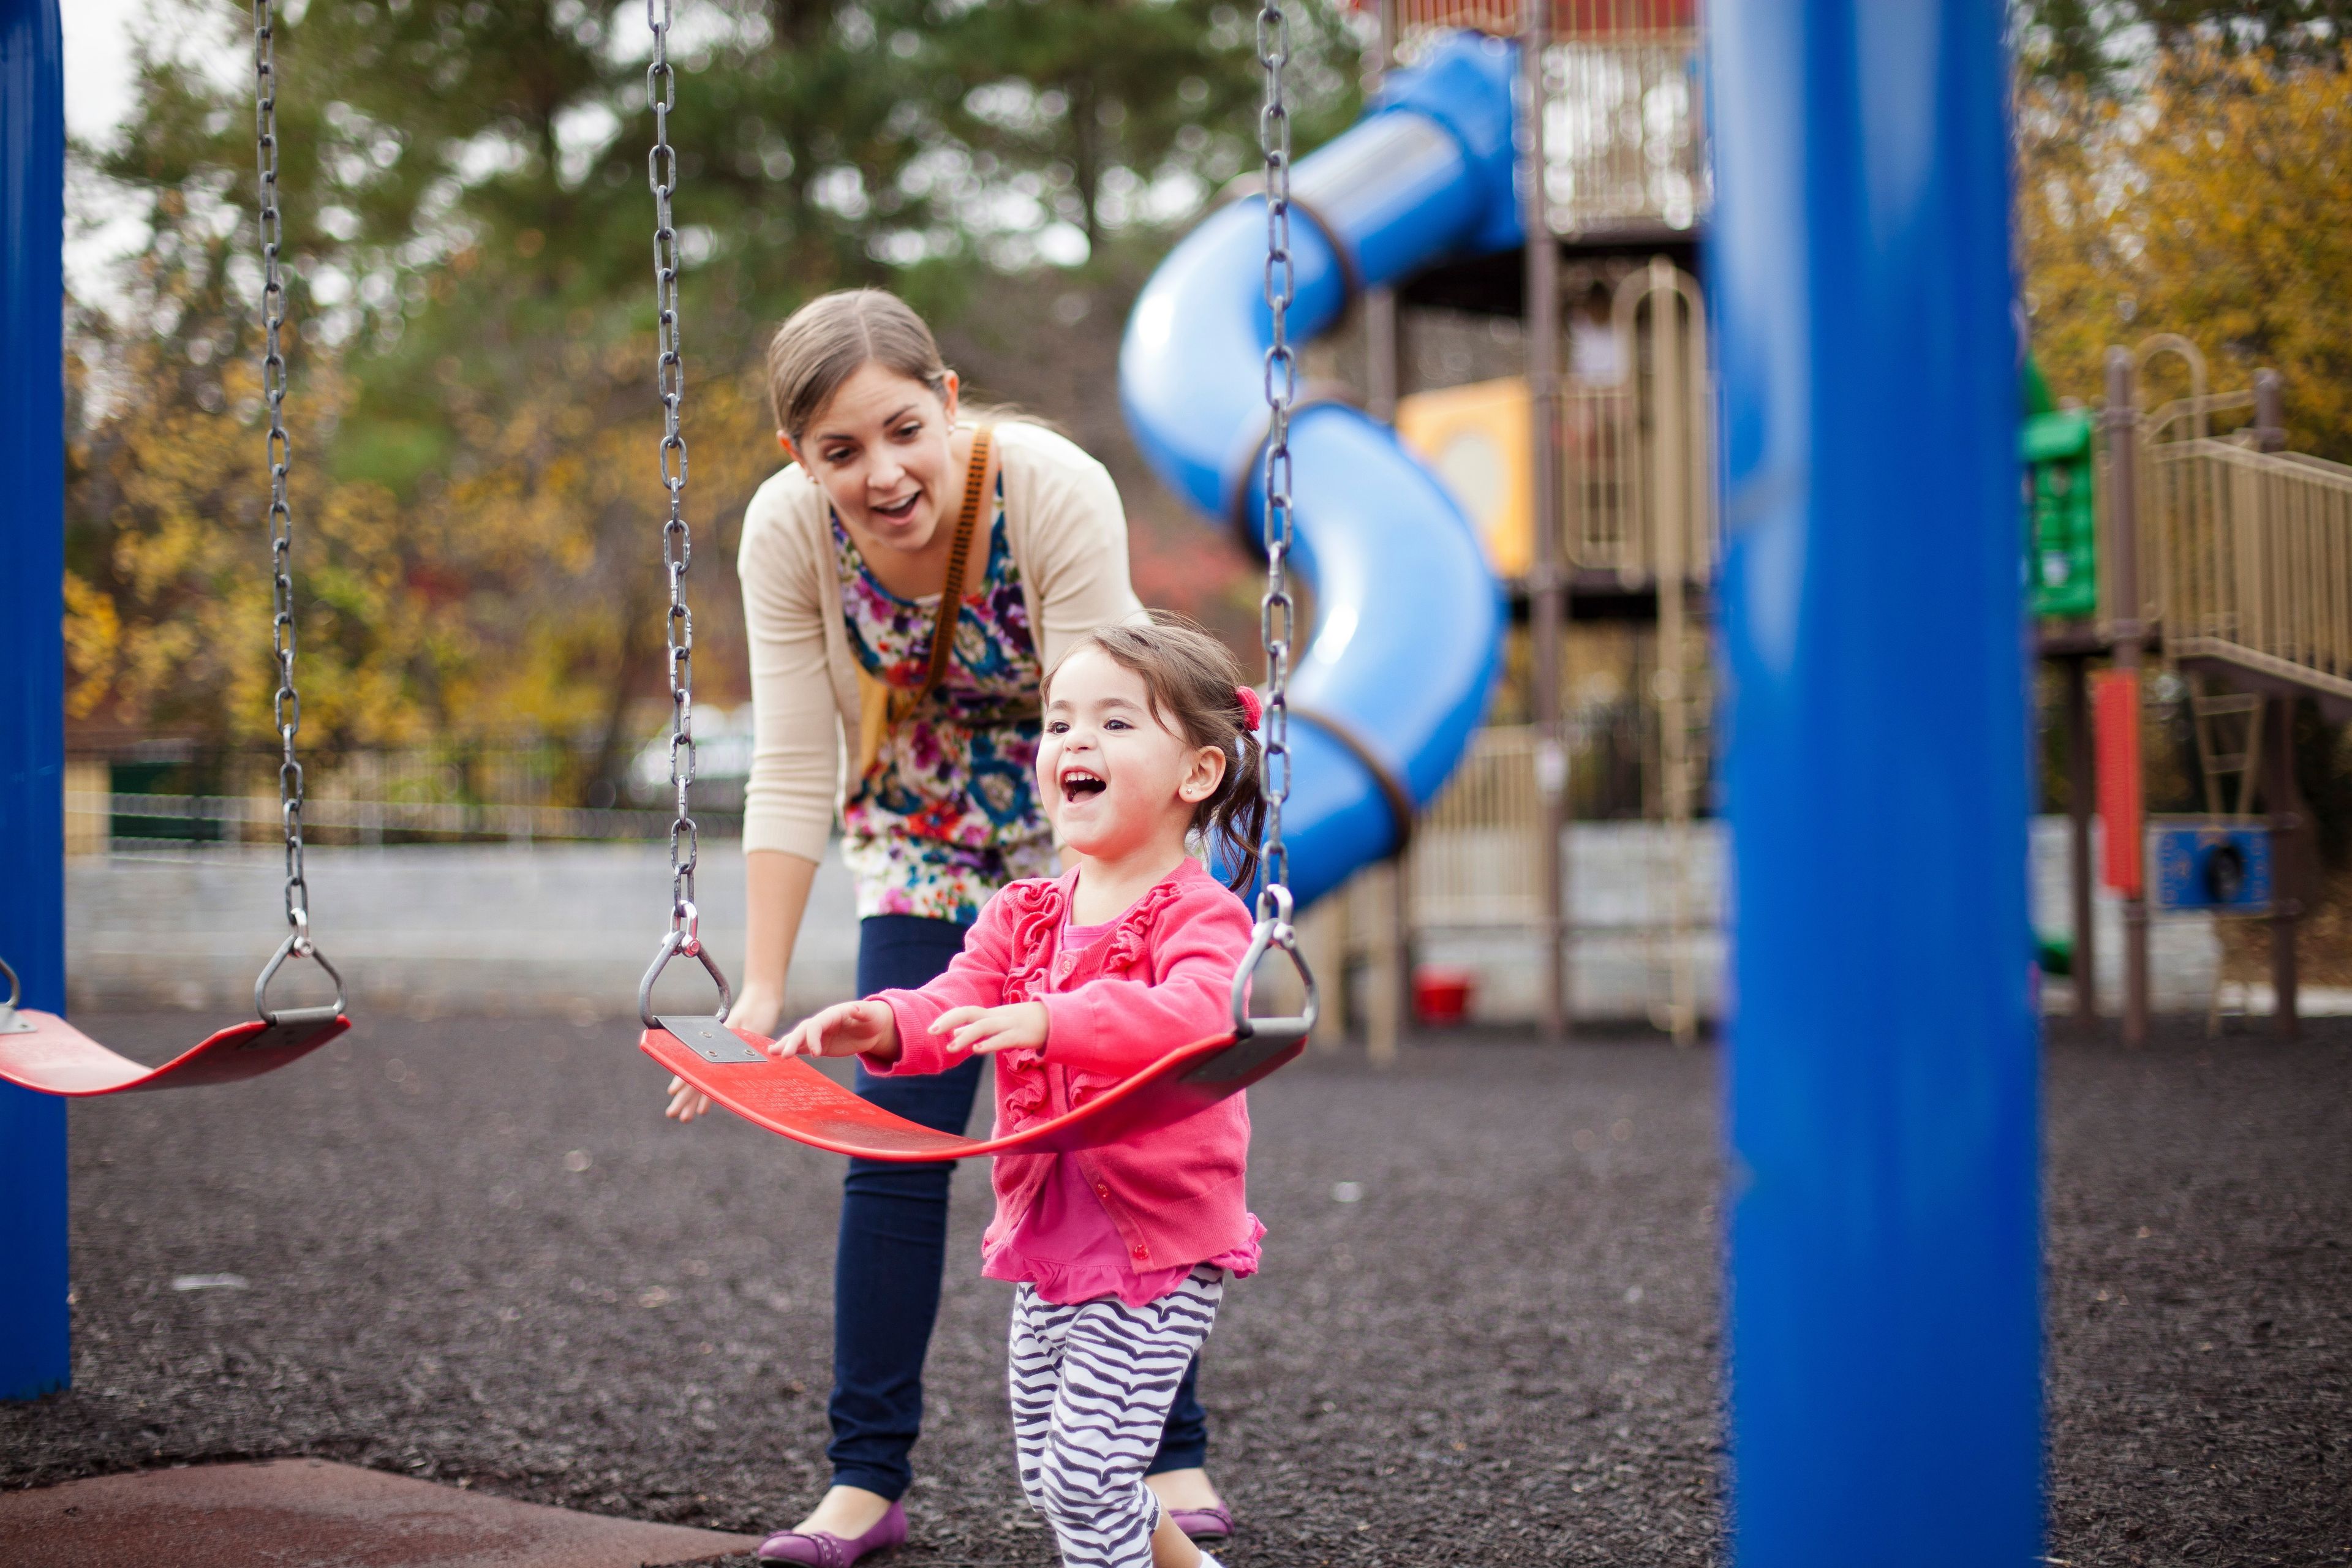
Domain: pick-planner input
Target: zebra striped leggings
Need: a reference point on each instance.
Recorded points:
(1091, 1387)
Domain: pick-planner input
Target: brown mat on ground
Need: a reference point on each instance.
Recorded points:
(298, 1513)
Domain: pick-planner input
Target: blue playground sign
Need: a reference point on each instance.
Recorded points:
(2224, 867)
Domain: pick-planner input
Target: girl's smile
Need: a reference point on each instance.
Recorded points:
(1113, 776)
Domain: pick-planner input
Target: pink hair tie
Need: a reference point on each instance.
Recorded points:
(1252, 708)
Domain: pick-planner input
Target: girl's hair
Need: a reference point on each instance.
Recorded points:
(1194, 685)
(824, 343)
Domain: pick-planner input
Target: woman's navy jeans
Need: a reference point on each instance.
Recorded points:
(894, 1236)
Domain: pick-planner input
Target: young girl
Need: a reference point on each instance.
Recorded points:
(1073, 984)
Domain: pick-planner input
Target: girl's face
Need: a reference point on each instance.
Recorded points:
(881, 450)
(1115, 779)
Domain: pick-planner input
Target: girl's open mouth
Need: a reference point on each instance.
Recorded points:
(1079, 785)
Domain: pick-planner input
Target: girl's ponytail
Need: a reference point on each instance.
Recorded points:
(1232, 822)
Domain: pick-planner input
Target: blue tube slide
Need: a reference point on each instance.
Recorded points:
(1407, 640)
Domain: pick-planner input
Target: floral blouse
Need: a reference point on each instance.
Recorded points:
(949, 812)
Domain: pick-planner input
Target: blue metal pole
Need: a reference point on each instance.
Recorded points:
(32, 1319)
(1884, 1326)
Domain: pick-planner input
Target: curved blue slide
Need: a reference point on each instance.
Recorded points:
(1408, 638)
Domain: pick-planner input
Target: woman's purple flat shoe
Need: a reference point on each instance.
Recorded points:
(1204, 1523)
(822, 1548)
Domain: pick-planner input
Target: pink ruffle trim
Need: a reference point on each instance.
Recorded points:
(1067, 1284)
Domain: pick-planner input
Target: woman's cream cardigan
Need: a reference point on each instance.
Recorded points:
(1068, 537)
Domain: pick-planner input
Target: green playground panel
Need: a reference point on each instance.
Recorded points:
(2061, 575)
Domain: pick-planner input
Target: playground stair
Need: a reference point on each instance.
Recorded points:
(2255, 566)
(2245, 550)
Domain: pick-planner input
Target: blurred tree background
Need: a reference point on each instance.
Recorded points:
(2205, 189)
(469, 237)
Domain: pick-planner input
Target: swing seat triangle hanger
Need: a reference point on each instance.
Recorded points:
(40, 1051)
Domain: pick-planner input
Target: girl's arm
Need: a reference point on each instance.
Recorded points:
(974, 978)
(1120, 1025)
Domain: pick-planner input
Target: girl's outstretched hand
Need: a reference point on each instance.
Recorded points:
(843, 1029)
(990, 1029)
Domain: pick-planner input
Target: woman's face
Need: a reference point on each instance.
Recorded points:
(880, 448)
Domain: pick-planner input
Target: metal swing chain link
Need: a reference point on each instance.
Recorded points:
(677, 544)
(286, 706)
(677, 555)
(1276, 609)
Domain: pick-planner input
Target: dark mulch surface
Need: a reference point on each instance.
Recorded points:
(474, 1249)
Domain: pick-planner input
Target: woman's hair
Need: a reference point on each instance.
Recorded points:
(1194, 688)
(824, 343)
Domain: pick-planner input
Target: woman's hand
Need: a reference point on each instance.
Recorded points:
(755, 1011)
(758, 1010)
(843, 1029)
(988, 1030)
(686, 1101)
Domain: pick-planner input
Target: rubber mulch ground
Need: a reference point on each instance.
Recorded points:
(472, 1250)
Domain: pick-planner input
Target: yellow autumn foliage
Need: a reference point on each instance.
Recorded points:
(521, 590)
(2217, 205)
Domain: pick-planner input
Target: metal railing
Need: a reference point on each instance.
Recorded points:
(1625, 122)
(2244, 556)
(1637, 452)
(517, 789)
(1474, 863)
(2253, 559)
(97, 820)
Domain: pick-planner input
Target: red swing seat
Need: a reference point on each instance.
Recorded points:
(793, 1099)
(51, 1056)
(42, 1052)
(796, 1100)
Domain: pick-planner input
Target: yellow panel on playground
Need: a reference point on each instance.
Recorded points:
(1476, 437)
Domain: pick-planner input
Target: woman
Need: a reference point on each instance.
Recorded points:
(844, 558)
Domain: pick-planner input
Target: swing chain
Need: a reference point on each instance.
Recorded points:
(677, 544)
(287, 705)
(1277, 610)
(684, 934)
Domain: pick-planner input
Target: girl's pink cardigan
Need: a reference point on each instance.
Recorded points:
(1157, 980)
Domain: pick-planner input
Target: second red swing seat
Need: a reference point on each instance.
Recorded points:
(50, 1056)
(42, 1052)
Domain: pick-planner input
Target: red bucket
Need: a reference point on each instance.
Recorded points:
(1441, 994)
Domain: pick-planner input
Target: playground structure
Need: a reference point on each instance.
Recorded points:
(2230, 559)
(2244, 550)
(1613, 523)
(1624, 531)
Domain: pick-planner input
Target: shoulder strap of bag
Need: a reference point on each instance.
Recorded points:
(951, 593)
